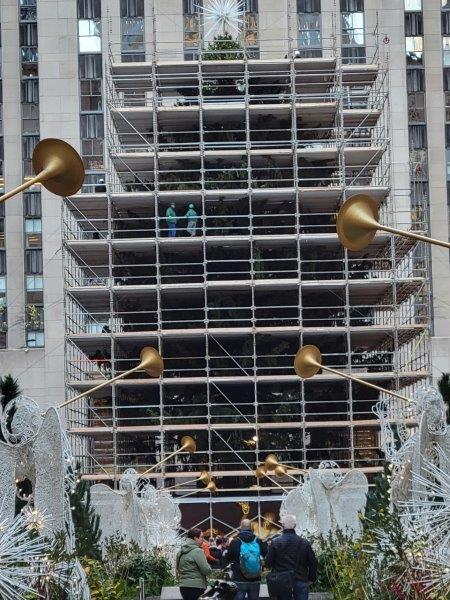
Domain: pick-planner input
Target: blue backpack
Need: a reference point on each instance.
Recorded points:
(250, 559)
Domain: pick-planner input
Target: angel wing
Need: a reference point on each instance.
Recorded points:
(8, 458)
(321, 503)
(298, 502)
(348, 499)
(48, 451)
(109, 505)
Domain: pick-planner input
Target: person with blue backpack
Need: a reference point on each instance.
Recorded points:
(245, 555)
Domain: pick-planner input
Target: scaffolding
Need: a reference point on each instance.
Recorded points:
(266, 150)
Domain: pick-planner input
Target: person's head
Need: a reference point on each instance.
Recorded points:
(172, 205)
(288, 522)
(246, 525)
(196, 535)
(191, 206)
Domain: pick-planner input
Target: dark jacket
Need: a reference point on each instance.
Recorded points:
(233, 554)
(290, 552)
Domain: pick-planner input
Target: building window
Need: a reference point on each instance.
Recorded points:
(415, 80)
(35, 339)
(413, 24)
(34, 283)
(32, 204)
(33, 262)
(192, 11)
(352, 31)
(249, 35)
(445, 21)
(412, 5)
(414, 50)
(446, 50)
(309, 28)
(416, 107)
(417, 137)
(89, 9)
(132, 30)
(90, 70)
(33, 233)
(90, 35)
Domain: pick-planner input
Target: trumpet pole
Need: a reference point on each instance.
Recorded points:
(153, 467)
(366, 383)
(180, 484)
(414, 236)
(100, 386)
(275, 482)
(24, 186)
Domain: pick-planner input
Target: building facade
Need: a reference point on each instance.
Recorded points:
(315, 102)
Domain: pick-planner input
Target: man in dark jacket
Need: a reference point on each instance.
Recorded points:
(290, 552)
(248, 587)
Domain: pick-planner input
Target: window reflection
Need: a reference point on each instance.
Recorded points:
(90, 35)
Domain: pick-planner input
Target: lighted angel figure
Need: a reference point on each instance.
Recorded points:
(431, 442)
(137, 512)
(34, 449)
(328, 501)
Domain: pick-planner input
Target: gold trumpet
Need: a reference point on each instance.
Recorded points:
(308, 362)
(204, 477)
(357, 224)
(271, 464)
(151, 362)
(188, 444)
(58, 168)
(261, 472)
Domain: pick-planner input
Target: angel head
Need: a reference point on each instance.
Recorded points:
(21, 420)
(329, 474)
(430, 402)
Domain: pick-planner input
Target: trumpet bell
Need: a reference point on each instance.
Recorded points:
(280, 471)
(271, 462)
(211, 487)
(357, 222)
(308, 361)
(260, 472)
(151, 361)
(205, 477)
(188, 444)
(61, 166)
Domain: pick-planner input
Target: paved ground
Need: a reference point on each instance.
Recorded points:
(172, 593)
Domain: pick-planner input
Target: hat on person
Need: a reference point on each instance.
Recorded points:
(288, 522)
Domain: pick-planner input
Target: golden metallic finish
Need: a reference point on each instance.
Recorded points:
(205, 477)
(188, 444)
(260, 472)
(151, 362)
(357, 224)
(280, 471)
(58, 168)
(211, 487)
(271, 462)
(308, 361)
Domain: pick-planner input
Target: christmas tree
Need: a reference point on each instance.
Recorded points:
(86, 522)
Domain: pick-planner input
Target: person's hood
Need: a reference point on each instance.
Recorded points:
(188, 546)
(246, 535)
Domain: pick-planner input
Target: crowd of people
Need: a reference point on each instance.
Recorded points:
(288, 557)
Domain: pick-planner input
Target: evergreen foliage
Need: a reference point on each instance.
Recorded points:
(9, 389)
(223, 47)
(86, 522)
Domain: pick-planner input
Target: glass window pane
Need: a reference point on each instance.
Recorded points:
(89, 34)
(413, 4)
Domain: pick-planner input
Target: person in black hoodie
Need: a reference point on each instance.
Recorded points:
(290, 552)
(248, 587)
